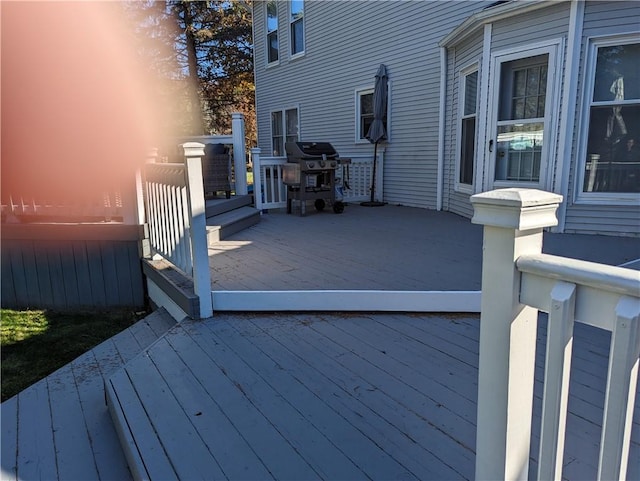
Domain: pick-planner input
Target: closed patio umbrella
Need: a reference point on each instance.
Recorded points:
(377, 131)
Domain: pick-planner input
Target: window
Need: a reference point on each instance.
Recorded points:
(469, 108)
(297, 27)
(284, 128)
(272, 31)
(612, 160)
(521, 119)
(364, 114)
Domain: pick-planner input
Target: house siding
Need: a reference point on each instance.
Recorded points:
(346, 41)
(600, 18)
(351, 39)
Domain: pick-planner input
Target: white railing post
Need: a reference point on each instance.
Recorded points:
(239, 156)
(513, 220)
(257, 177)
(193, 152)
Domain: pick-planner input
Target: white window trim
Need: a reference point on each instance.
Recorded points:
(554, 49)
(464, 72)
(364, 91)
(294, 56)
(266, 35)
(597, 198)
(284, 125)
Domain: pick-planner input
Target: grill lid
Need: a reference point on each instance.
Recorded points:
(297, 151)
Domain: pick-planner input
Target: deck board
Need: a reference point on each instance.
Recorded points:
(9, 444)
(356, 396)
(393, 248)
(347, 453)
(36, 452)
(265, 439)
(74, 455)
(330, 383)
(60, 427)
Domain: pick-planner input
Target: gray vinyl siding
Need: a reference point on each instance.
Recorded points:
(344, 44)
(532, 27)
(460, 57)
(600, 19)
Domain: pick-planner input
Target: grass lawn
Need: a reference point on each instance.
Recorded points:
(36, 343)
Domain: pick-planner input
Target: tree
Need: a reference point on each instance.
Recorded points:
(213, 64)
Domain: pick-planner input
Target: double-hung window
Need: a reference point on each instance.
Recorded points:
(467, 128)
(364, 114)
(297, 27)
(272, 31)
(612, 158)
(284, 128)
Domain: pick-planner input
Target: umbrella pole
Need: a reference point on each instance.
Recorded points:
(373, 203)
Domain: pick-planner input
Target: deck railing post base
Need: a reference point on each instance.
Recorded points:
(513, 221)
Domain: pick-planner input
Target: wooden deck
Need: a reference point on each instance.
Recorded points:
(59, 428)
(328, 396)
(383, 248)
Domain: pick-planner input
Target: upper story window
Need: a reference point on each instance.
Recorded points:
(364, 114)
(467, 127)
(297, 27)
(611, 162)
(272, 31)
(284, 128)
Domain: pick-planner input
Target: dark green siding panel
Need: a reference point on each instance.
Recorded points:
(85, 291)
(110, 273)
(19, 278)
(6, 281)
(55, 272)
(31, 274)
(44, 276)
(96, 277)
(69, 275)
(123, 272)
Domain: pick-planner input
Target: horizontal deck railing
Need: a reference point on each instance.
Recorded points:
(603, 296)
(517, 282)
(355, 178)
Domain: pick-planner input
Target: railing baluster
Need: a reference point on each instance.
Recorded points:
(621, 391)
(556, 380)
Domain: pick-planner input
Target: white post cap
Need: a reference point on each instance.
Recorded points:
(516, 208)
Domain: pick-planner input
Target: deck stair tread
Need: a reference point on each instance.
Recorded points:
(225, 224)
(304, 396)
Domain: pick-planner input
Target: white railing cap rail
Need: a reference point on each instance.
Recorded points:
(613, 279)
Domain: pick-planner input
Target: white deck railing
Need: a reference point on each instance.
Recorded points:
(517, 281)
(176, 219)
(271, 193)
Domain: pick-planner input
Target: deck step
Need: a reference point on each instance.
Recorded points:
(218, 206)
(221, 226)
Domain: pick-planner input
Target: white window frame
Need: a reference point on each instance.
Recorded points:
(360, 91)
(269, 32)
(291, 36)
(554, 49)
(597, 198)
(283, 111)
(464, 73)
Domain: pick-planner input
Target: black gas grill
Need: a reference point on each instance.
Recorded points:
(310, 174)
